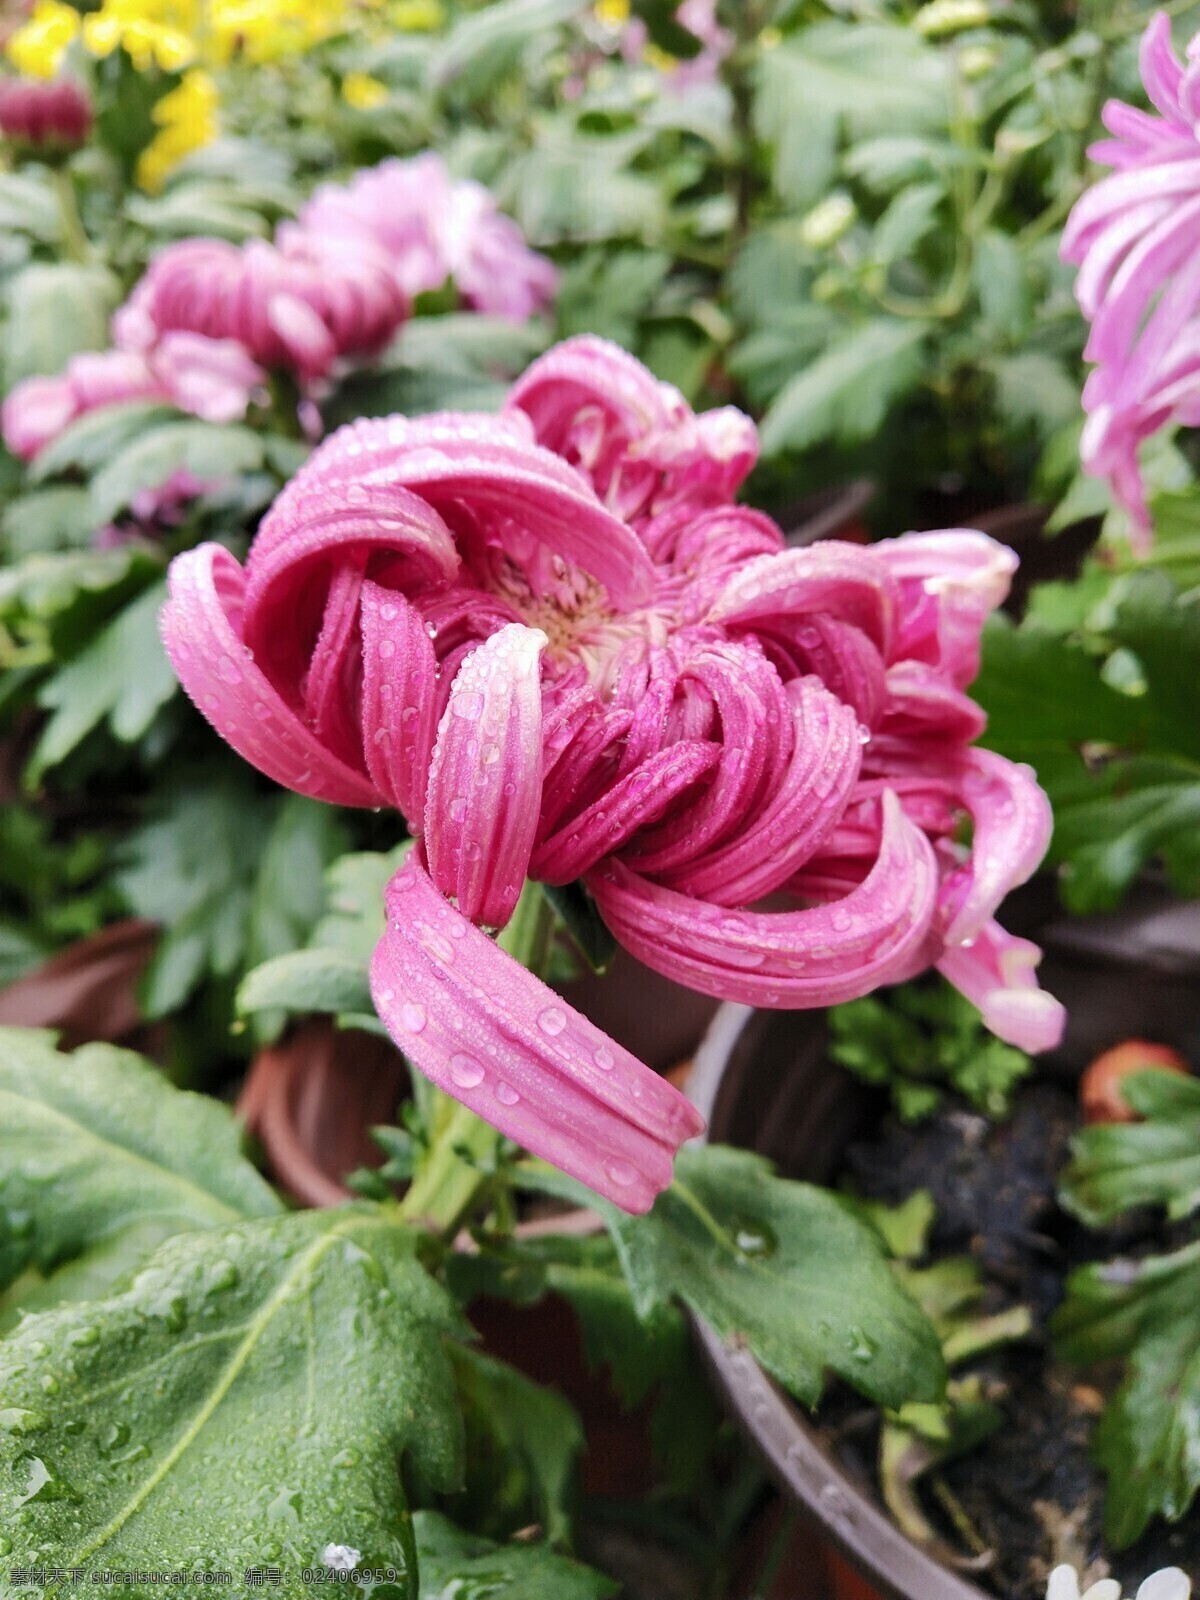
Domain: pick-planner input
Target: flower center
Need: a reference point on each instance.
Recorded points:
(573, 610)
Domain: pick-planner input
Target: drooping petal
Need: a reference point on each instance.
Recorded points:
(399, 700)
(799, 815)
(997, 974)
(201, 627)
(815, 957)
(1011, 831)
(485, 783)
(829, 578)
(489, 1033)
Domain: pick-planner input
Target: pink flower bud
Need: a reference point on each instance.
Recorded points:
(45, 119)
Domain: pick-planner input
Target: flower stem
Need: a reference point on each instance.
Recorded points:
(75, 240)
(463, 1149)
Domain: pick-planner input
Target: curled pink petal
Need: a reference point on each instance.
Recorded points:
(830, 579)
(485, 780)
(399, 700)
(1012, 826)
(996, 973)
(1133, 236)
(202, 638)
(784, 959)
(491, 1034)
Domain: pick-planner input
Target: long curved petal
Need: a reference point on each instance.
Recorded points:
(997, 974)
(485, 784)
(815, 957)
(489, 1033)
(201, 629)
(399, 700)
(1012, 826)
(830, 578)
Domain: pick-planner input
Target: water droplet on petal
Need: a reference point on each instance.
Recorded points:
(842, 921)
(458, 808)
(413, 1016)
(230, 670)
(468, 705)
(387, 649)
(507, 1095)
(466, 1072)
(604, 1059)
(621, 1173)
(552, 1021)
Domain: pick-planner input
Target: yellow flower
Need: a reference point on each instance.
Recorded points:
(38, 45)
(362, 91)
(661, 59)
(416, 16)
(612, 13)
(154, 32)
(187, 119)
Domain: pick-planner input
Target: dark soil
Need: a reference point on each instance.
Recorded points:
(1031, 1490)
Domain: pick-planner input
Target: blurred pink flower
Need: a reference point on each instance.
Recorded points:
(553, 642)
(1135, 236)
(303, 308)
(45, 119)
(698, 17)
(430, 227)
(211, 378)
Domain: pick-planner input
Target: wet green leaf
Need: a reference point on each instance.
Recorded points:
(208, 1415)
(460, 1566)
(1116, 1166)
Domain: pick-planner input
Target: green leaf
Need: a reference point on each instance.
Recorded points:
(522, 1442)
(354, 918)
(911, 216)
(485, 44)
(608, 292)
(836, 78)
(414, 393)
(114, 1146)
(1002, 286)
(209, 452)
(1144, 1311)
(781, 1266)
(208, 1415)
(232, 873)
(1115, 1166)
(305, 981)
(123, 678)
(846, 392)
(48, 520)
(98, 436)
(460, 1566)
(55, 311)
(200, 206)
(27, 206)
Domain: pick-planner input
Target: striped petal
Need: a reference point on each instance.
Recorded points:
(996, 973)
(399, 700)
(789, 959)
(201, 628)
(485, 782)
(488, 1032)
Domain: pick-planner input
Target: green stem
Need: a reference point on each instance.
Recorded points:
(75, 240)
(463, 1150)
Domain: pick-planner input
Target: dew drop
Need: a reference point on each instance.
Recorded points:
(412, 1016)
(842, 921)
(458, 808)
(604, 1059)
(491, 754)
(229, 670)
(388, 613)
(507, 1095)
(113, 1437)
(261, 710)
(468, 705)
(755, 1239)
(861, 1348)
(552, 1021)
(621, 1173)
(18, 1420)
(387, 649)
(466, 1072)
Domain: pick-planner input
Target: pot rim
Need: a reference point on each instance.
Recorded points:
(790, 1446)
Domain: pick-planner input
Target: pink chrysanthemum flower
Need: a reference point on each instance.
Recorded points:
(1135, 236)
(552, 641)
(211, 378)
(429, 227)
(304, 308)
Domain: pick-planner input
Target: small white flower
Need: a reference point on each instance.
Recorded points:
(342, 1558)
(1168, 1584)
